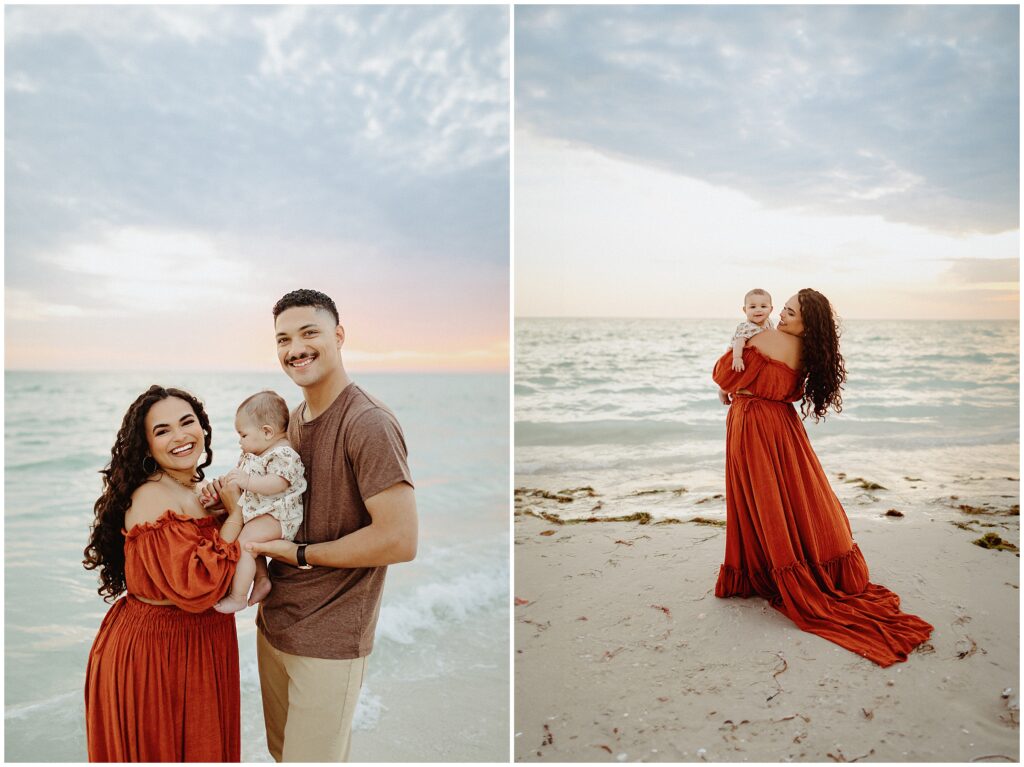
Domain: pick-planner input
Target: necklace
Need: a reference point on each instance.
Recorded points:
(189, 485)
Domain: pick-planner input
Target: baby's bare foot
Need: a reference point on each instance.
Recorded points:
(230, 604)
(260, 589)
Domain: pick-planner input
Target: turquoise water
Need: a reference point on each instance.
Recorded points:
(629, 405)
(443, 629)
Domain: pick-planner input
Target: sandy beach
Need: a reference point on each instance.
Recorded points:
(623, 653)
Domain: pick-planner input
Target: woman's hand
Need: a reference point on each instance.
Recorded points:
(208, 498)
(724, 397)
(229, 493)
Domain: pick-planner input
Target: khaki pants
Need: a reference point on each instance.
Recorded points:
(308, 704)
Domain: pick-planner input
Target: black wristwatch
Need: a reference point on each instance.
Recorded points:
(300, 555)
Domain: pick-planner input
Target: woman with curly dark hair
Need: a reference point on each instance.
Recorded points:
(162, 680)
(787, 537)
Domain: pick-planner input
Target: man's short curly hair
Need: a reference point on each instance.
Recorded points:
(306, 297)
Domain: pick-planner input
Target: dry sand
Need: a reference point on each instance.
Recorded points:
(623, 653)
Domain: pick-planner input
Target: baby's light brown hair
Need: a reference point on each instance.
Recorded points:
(266, 407)
(757, 292)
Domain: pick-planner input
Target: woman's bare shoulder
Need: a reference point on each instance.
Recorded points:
(149, 501)
(779, 346)
(766, 338)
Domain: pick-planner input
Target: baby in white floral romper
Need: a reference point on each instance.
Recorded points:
(757, 306)
(271, 479)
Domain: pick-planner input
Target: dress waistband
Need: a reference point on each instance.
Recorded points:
(162, 616)
(754, 397)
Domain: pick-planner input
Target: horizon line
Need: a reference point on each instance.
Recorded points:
(841, 318)
(122, 371)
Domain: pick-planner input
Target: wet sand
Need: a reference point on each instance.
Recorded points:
(623, 653)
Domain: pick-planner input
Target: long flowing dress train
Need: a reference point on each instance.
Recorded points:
(788, 538)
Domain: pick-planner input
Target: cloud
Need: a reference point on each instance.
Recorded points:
(21, 83)
(387, 124)
(173, 170)
(22, 305)
(910, 113)
(276, 29)
(600, 236)
(137, 270)
(996, 271)
(24, 24)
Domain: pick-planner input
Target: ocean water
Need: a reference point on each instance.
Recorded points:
(442, 644)
(628, 407)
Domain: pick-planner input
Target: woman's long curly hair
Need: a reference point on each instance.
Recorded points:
(122, 476)
(826, 370)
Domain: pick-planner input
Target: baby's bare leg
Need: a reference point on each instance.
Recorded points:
(258, 530)
(261, 584)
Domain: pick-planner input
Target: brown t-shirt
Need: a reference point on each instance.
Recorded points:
(351, 451)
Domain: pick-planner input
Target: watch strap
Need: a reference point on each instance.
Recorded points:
(300, 556)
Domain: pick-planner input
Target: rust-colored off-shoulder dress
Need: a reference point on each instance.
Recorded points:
(787, 537)
(162, 682)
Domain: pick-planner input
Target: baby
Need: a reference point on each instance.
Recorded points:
(757, 305)
(272, 480)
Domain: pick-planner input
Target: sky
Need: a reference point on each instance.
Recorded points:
(669, 159)
(171, 171)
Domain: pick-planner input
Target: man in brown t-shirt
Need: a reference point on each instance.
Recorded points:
(316, 626)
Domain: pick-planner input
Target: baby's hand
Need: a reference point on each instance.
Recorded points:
(236, 477)
(208, 497)
(737, 364)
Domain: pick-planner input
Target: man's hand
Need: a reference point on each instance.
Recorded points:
(281, 550)
(390, 537)
(724, 397)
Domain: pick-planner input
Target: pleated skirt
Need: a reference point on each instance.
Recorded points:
(162, 685)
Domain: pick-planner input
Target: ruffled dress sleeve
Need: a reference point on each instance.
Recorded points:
(181, 559)
(731, 381)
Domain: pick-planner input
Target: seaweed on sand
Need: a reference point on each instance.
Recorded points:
(562, 496)
(715, 497)
(967, 525)
(587, 492)
(640, 517)
(676, 491)
(993, 541)
(706, 521)
(866, 484)
(1012, 511)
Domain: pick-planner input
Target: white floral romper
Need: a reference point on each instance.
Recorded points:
(748, 330)
(285, 507)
